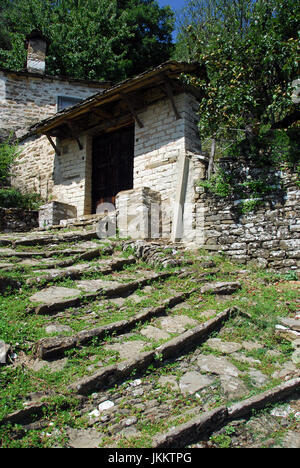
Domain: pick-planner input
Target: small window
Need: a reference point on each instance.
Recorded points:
(63, 102)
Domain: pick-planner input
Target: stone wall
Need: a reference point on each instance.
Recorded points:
(64, 178)
(165, 161)
(17, 220)
(34, 166)
(52, 213)
(72, 174)
(28, 98)
(268, 236)
(165, 158)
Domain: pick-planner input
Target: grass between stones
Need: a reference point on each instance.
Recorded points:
(152, 407)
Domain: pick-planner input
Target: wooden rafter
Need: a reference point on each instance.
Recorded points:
(53, 144)
(73, 134)
(170, 95)
(102, 116)
(101, 113)
(132, 110)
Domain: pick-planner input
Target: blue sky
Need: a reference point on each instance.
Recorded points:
(175, 4)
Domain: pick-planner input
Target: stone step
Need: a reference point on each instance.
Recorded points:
(110, 375)
(9, 253)
(45, 239)
(55, 299)
(49, 348)
(81, 221)
(202, 426)
(103, 267)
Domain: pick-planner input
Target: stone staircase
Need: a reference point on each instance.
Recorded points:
(128, 330)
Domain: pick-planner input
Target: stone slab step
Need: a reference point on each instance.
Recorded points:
(53, 239)
(49, 348)
(111, 375)
(44, 253)
(75, 297)
(201, 426)
(75, 272)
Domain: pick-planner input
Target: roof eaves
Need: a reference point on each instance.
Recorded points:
(176, 67)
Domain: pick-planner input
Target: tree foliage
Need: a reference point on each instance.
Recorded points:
(92, 39)
(249, 51)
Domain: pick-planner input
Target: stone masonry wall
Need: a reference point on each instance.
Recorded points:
(52, 213)
(159, 147)
(26, 99)
(269, 236)
(33, 169)
(64, 178)
(17, 220)
(72, 174)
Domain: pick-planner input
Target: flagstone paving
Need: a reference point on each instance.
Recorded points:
(177, 323)
(53, 294)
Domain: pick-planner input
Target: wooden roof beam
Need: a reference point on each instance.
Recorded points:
(53, 144)
(132, 110)
(101, 113)
(73, 134)
(170, 95)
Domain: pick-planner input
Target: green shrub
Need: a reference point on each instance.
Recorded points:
(220, 184)
(13, 198)
(8, 153)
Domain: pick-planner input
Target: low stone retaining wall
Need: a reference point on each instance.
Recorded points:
(269, 235)
(17, 220)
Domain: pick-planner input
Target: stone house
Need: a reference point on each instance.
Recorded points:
(31, 95)
(134, 149)
(133, 145)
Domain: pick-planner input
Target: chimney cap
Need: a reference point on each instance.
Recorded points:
(36, 34)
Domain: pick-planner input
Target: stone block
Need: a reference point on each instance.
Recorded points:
(53, 213)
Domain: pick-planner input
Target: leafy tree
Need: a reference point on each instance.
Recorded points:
(4, 42)
(248, 49)
(94, 39)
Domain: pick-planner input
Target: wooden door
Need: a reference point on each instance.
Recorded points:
(112, 167)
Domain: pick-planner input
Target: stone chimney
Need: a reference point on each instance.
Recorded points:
(37, 47)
